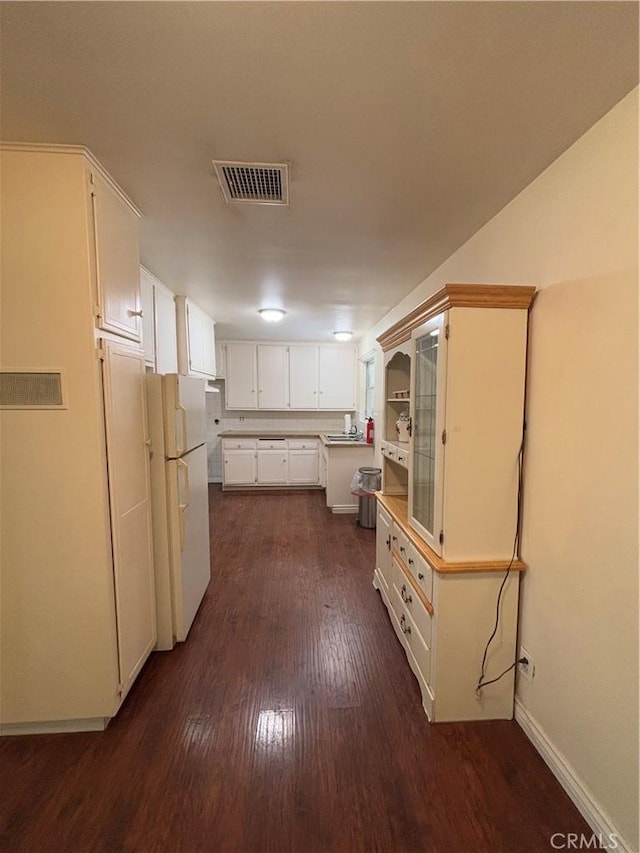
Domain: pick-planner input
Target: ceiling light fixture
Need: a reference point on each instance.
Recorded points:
(343, 336)
(271, 315)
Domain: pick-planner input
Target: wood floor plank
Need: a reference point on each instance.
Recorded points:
(289, 722)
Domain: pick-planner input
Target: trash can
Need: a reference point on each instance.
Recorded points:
(369, 481)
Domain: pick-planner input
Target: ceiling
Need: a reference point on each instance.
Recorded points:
(406, 126)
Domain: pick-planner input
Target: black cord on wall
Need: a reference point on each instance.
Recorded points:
(516, 547)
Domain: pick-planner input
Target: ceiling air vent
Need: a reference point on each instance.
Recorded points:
(255, 183)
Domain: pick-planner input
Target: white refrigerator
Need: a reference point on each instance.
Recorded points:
(180, 501)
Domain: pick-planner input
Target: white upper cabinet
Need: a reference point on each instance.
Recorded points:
(196, 340)
(290, 376)
(158, 324)
(273, 376)
(165, 331)
(303, 376)
(117, 262)
(242, 376)
(337, 377)
(147, 287)
(221, 360)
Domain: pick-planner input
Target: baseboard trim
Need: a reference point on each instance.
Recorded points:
(340, 509)
(581, 796)
(92, 724)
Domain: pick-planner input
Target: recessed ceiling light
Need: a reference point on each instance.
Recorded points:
(272, 315)
(343, 336)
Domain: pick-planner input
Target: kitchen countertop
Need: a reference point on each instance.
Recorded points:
(291, 433)
(269, 433)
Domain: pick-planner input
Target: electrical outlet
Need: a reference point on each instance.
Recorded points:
(527, 670)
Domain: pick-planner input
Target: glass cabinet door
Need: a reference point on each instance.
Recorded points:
(428, 365)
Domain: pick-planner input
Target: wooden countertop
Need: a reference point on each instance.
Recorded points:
(397, 506)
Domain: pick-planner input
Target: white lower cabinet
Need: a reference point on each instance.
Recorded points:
(382, 575)
(443, 615)
(270, 462)
(303, 467)
(239, 463)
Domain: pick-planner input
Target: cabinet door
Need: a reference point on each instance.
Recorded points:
(241, 383)
(383, 547)
(195, 338)
(303, 467)
(166, 344)
(117, 261)
(303, 377)
(196, 342)
(148, 313)
(337, 377)
(129, 495)
(208, 345)
(426, 480)
(273, 467)
(239, 467)
(273, 376)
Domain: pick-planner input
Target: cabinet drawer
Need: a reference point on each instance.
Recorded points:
(402, 457)
(399, 542)
(272, 444)
(414, 640)
(238, 444)
(412, 604)
(303, 444)
(421, 570)
(391, 452)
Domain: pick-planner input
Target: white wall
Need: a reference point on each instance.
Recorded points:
(574, 233)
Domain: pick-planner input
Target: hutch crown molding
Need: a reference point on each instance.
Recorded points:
(457, 296)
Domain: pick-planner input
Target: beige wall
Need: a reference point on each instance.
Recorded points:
(574, 233)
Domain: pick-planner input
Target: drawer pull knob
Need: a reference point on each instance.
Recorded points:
(402, 549)
(420, 576)
(410, 561)
(404, 595)
(406, 629)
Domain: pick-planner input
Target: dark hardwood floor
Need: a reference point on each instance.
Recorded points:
(288, 722)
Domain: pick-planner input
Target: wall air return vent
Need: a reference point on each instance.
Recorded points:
(32, 389)
(254, 183)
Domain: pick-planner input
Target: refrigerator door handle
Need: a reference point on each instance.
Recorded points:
(183, 496)
(181, 434)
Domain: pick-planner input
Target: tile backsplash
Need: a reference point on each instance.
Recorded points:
(219, 419)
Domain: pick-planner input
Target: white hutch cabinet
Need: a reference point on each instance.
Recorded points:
(448, 513)
(78, 601)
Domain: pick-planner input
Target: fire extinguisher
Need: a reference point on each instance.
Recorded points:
(370, 431)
